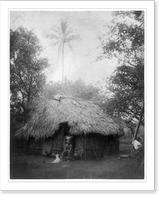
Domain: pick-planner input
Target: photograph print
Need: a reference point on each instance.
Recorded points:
(77, 94)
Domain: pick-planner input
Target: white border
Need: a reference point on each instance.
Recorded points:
(148, 183)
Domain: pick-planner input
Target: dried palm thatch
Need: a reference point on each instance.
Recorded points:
(82, 117)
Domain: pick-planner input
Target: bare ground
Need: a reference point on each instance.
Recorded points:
(40, 167)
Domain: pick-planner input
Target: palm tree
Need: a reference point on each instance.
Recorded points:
(62, 35)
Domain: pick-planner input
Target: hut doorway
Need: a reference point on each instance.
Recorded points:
(69, 141)
(55, 143)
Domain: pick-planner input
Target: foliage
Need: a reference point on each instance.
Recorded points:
(127, 86)
(26, 77)
(124, 40)
(78, 89)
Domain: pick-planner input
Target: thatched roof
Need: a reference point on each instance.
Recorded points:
(82, 117)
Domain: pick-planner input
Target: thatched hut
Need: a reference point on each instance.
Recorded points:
(94, 133)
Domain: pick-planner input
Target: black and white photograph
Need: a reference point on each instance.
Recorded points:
(77, 94)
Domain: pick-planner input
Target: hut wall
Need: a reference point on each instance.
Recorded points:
(93, 147)
(87, 147)
(96, 146)
(55, 143)
(46, 146)
(79, 146)
(19, 146)
(114, 145)
(34, 147)
(42, 146)
(29, 146)
(58, 141)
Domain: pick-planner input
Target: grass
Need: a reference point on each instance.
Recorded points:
(110, 167)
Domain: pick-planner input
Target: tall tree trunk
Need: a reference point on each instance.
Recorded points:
(139, 123)
(63, 62)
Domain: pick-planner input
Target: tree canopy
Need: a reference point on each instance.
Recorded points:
(26, 72)
(127, 86)
(124, 40)
(78, 89)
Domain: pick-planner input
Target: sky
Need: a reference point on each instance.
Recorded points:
(80, 62)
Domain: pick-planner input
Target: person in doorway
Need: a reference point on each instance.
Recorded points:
(67, 150)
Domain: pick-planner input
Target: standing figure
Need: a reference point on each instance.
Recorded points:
(67, 150)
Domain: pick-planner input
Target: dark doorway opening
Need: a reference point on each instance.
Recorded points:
(68, 138)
